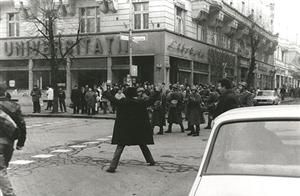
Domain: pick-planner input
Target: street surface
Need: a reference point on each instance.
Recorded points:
(81, 171)
(68, 157)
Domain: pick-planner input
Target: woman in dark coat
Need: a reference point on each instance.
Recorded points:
(132, 126)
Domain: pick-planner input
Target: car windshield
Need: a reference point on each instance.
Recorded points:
(265, 93)
(257, 148)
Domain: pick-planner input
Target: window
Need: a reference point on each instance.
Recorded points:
(201, 33)
(13, 25)
(179, 20)
(141, 15)
(90, 20)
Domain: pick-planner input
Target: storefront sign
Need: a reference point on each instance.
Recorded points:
(183, 49)
(97, 45)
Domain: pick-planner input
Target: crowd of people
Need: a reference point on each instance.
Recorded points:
(176, 102)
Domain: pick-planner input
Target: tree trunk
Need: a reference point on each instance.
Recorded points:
(250, 78)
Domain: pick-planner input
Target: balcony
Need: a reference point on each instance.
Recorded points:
(200, 11)
(230, 26)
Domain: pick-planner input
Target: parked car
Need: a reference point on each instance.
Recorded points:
(266, 97)
(252, 151)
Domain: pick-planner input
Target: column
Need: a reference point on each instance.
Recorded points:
(209, 73)
(167, 70)
(68, 81)
(30, 75)
(109, 70)
(192, 73)
(279, 81)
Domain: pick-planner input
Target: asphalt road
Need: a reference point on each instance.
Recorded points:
(78, 169)
(84, 152)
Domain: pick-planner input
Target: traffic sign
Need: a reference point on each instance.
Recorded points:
(139, 38)
(124, 37)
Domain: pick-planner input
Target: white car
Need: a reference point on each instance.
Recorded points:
(267, 97)
(252, 151)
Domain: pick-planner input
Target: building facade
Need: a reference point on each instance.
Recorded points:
(287, 65)
(183, 41)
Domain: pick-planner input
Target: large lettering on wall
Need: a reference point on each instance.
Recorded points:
(89, 46)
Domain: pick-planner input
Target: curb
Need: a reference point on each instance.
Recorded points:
(70, 116)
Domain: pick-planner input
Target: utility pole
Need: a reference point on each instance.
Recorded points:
(130, 34)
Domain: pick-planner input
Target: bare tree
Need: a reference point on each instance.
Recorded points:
(254, 43)
(44, 15)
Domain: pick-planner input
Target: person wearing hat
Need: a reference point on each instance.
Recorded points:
(12, 127)
(195, 117)
(245, 97)
(132, 126)
(175, 105)
(158, 117)
(211, 105)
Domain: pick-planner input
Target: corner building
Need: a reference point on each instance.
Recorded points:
(181, 41)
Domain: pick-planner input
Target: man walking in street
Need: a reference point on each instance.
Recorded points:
(227, 100)
(12, 127)
(132, 126)
(36, 95)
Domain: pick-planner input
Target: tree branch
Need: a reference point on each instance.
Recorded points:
(39, 52)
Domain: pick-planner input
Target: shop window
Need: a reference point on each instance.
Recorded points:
(179, 20)
(13, 25)
(141, 15)
(89, 20)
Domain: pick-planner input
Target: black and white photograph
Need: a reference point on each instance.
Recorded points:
(149, 98)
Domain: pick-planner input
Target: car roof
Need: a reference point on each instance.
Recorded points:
(260, 113)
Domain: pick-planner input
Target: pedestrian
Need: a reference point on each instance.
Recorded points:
(90, 99)
(106, 93)
(82, 100)
(158, 117)
(50, 97)
(132, 127)
(282, 92)
(246, 98)
(195, 117)
(12, 127)
(62, 100)
(175, 102)
(228, 99)
(76, 98)
(211, 105)
(36, 95)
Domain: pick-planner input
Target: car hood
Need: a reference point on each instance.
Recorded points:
(264, 97)
(248, 186)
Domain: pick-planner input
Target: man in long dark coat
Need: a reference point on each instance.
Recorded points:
(158, 117)
(195, 117)
(175, 101)
(227, 100)
(132, 127)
